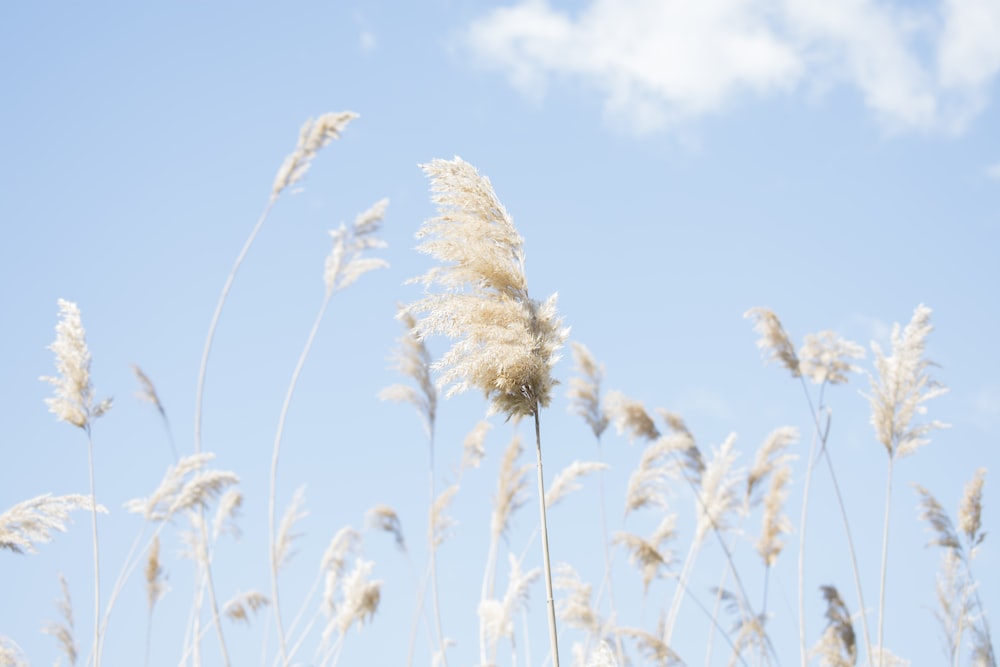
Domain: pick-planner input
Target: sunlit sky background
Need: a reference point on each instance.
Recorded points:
(669, 164)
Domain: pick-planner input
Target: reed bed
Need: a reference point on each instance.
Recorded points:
(688, 511)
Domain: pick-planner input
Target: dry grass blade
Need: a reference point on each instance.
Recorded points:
(294, 513)
(585, 389)
(902, 387)
(384, 518)
(826, 357)
(630, 416)
(63, 630)
(566, 481)
(33, 521)
(244, 605)
(774, 339)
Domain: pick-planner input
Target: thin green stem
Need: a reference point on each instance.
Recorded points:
(550, 600)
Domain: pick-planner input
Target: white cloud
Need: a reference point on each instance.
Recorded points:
(657, 63)
(993, 171)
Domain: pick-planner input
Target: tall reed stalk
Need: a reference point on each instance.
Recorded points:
(505, 342)
(74, 403)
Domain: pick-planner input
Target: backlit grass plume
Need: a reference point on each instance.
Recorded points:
(505, 342)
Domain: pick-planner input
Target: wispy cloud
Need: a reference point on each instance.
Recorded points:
(993, 171)
(658, 63)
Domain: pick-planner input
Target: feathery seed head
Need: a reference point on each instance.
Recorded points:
(770, 456)
(314, 135)
(346, 263)
(497, 616)
(838, 645)
(241, 607)
(774, 339)
(511, 486)
(361, 596)
(567, 481)
(506, 343)
(715, 493)
(585, 389)
(902, 387)
(826, 357)
(441, 522)
(775, 523)
(473, 449)
(156, 587)
(384, 518)
(970, 511)
(413, 360)
(940, 523)
(74, 395)
(294, 513)
(32, 521)
(630, 416)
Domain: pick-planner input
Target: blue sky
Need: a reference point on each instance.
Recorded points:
(670, 165)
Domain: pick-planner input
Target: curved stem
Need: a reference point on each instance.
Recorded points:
(200, 392)
(679, 591)
(274, 478)
(553, 637)
(854, 558)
